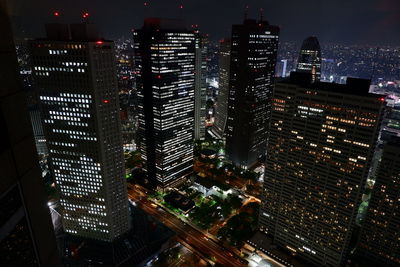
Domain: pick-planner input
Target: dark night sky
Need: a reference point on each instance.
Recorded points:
(341, 21)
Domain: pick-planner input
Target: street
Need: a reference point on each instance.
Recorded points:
(194, 238)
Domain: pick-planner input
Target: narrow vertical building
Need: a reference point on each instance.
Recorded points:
(165, 59)
(27, 237)
(221, 109)
(252, 69)
(309, 60)
(379, 240)
(200, 90)
(322, 139)
(74, 72)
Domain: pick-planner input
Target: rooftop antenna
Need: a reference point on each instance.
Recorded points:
(261, 14)
(85, 17)
(246, 11)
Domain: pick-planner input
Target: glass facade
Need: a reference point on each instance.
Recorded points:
(221, 109)
(310, 58)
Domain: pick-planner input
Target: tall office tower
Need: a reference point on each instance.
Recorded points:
(75, 74)
(252, 69)
(221, 109)
(379, 240)
(37, 127)
(310, 58)
(322, 139)
(200, 88)
(27, 236)
(165, 59)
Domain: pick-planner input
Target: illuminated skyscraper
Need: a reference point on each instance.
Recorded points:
(221, 108)
(27, 236)
(200, 88)
(75, 74)
(321, 142)
(379, 239)
(165, 57)
(310, 58)
(252, 68)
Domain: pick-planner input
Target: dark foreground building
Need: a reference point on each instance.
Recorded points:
(165, 68)
(380, 237)
(321, 142)
(26, 234)
(252, 67)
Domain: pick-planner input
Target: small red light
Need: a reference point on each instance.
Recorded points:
(105, 101)
(181, 6)
(158, 76)
(99, 42)
(56, 14)
(145, 3)
(85, 15)
(382, 99)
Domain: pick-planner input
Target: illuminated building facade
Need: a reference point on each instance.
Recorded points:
(310, 58)
(165, 58)
(379, 239)
(200, 88)
(322, 139)
(221, 109)
(75, 74)
(252, 68)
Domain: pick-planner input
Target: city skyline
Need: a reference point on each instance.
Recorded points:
(185, 143)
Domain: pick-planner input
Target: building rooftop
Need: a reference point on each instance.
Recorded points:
(353, 86)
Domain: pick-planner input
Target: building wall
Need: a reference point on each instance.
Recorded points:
(252, 69)
(318, 157)
(200, 88)
(379, 238)
(80, 111)
(26, 233)
(165, 66)
(221, 109)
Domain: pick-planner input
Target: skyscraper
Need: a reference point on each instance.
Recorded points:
(321, 142)
(252, 68)
(200, 88)
(75, 74)
(27, 236)
(165, 57)
(310, 58)
(379, 239)
(221, 109)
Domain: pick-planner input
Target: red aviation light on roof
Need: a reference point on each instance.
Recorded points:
(181, 6)
(106, 101)
(56, 13)
(85, 15)
(99, 42)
